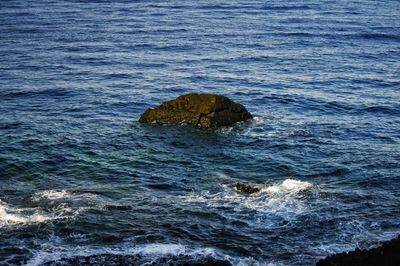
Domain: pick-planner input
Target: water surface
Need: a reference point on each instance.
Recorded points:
(80, 176)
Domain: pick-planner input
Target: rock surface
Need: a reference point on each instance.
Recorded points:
(246, 188)
(203, 110)
(386, 255)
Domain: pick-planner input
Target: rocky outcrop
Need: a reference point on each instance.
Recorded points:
(243, 188)
(386, 255)
(203, 110)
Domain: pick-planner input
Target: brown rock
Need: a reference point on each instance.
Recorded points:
(203, 110)
(246, 188)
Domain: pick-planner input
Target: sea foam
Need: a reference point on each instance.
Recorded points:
(54, 195)
(148, 252)
(288, 186)
(10, 215)
(51, 195)
(282, 201)
(65, 205)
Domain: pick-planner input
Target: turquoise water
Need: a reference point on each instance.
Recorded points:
(80, 176)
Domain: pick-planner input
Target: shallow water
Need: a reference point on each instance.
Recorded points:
(79, 176)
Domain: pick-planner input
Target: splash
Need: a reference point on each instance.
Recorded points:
(288, 186)
(273, 205)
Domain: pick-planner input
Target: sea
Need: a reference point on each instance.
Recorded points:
(82, 181)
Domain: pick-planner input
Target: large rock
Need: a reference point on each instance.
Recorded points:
(204, 110)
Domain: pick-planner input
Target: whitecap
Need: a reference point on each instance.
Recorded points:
(10, 215)
(288, 186)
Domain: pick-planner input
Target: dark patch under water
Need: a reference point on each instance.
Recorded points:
(79, 177)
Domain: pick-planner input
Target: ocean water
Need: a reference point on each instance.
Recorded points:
(79, 176)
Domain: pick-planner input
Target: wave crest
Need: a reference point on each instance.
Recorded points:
(10, 215)
(288, 186)
(148, 254)
(54, 195)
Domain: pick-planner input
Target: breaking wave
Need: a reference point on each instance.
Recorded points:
(148, 254)
(54, 195)
(52, 205)
(288, 186)
(51, 195)
(274, 205)
(10, 215)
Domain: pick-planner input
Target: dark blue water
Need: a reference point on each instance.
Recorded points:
(80, 176)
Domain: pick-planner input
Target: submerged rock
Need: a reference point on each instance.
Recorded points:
(386, 255)
(246, 188)
(203, 110)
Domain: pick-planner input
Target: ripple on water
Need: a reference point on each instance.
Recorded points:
(321, 79)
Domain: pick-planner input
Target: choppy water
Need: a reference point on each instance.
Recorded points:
(79, 175)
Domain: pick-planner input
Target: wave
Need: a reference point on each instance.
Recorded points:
(384, 110)
(274, 206)
(51, 195)
(148, 254)
(288, 186)
(354, 234)
(379, 36)
(81, 200)
(286, 7)
(11, 216)
(65, 195)
(44, 93)
(64, 205)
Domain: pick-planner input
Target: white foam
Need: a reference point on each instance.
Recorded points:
(260, 129)
(288, 186)
(152, 251)
(354, 234)
(51, 195)
(63, 194)
(173, 249)
(259, 120)
(273, 204)
(67, 205)
(9, 215)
